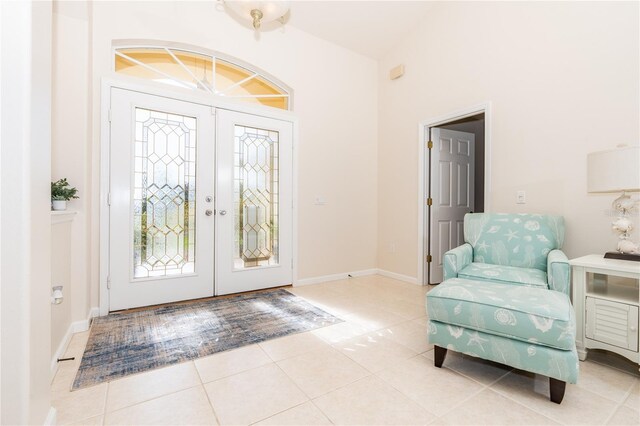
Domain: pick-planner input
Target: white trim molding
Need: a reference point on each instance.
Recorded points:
(334, 277)
(51, 417)
(62, 216)
(399, 277)
(423, 126)
(74, 327)
(362, 273)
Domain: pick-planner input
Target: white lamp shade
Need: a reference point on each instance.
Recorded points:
(271, 10)
(614, 170)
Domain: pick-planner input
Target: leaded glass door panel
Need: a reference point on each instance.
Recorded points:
(254, 202)
(161, 193)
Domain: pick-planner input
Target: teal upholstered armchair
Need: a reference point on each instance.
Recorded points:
(505, 297)
(521, 249)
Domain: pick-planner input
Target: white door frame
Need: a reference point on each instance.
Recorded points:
(159, 89)
(423, 169)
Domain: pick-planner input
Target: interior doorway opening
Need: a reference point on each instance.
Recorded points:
(454, 172)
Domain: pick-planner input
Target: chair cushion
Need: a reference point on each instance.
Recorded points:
(529, 314)
(507, 274)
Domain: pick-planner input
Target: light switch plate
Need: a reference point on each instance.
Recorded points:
(521, 197)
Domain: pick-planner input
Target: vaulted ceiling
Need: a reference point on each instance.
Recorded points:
(371, 28)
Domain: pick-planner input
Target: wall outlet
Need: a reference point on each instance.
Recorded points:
(521, 197)
(320, 201)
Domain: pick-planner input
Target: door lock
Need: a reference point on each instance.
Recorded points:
(208, 212)
(208, 198)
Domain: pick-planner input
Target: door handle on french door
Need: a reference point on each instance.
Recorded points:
(223, 212)
(208, 212)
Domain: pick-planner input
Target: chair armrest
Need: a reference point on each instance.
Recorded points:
(457, 259)
(559, 272)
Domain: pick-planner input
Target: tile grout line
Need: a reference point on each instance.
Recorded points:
(215, 414)
(173, 392)
(279, 412)
(505, 394)
(528, 408)
(104, 410)
(620, 404)
(482, 387)
(323, 413)
(369, 373)
(236, 373)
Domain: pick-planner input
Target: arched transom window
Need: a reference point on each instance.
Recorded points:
(202, 70)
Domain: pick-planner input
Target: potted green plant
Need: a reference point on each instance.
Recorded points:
(61, 192)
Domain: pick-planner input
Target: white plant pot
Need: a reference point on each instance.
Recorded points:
(59, 205)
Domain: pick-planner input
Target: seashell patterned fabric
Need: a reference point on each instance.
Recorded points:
(520, 240)
(529, 314)
(505, 295)
(520, 249)
(551, 362)
(510, 274)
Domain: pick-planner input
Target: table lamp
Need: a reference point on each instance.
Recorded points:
(618, 170)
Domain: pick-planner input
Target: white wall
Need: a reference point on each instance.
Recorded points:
(71, 141)
(25, 225)
(562, 78)
(61, 276)
(335, 98)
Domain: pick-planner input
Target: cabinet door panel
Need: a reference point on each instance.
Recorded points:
(613, 323)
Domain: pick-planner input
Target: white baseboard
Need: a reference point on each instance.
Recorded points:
(399, 277)
(51, 417)
(74, 327)
(334, 277)
(80, 326)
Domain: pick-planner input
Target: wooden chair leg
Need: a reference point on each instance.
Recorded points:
(439, 354)
(556, 390)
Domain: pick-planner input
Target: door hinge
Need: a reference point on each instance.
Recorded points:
(429, 201)
(291, 263)
(428, 258)
(430, 144)
(109, 282)
(108, 198)
(109, 116)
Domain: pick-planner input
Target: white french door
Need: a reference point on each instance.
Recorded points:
(161, 189)
(254, 202)
(199, 206)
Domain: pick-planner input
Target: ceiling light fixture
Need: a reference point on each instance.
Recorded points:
(260, 12)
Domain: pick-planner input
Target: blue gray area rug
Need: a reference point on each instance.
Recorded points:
(127, 343)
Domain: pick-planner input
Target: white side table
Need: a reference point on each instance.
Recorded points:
(606, 297)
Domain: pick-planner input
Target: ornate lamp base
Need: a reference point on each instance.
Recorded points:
(622, 256)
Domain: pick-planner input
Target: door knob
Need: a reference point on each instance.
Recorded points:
(223, 212)
(208, 198)
(208, 212)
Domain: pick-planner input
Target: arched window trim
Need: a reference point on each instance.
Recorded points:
(169, 46)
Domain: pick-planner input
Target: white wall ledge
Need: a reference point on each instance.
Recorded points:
(62, 216)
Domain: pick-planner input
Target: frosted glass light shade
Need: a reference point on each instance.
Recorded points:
(614, 170)
(271, 10)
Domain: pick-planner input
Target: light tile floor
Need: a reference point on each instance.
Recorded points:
(374, 368)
